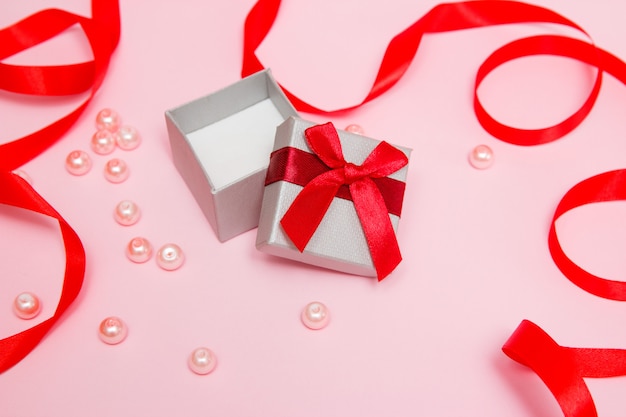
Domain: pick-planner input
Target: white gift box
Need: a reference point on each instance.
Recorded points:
(339, 242)
(221, 145)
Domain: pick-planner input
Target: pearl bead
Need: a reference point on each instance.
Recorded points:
(315, 315)
(112, 330)
(127, 213)
(108, 119)
(481, 157)
(78, 163)
(353, 128)
(202, 361)
(103, 142)
(26, 306)
(116, 170)
(127, 138)
(139, 250)
(170, 257)
(21, 173)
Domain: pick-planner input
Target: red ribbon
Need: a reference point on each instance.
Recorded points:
(309, 207)
(102, 31)
(562, 369)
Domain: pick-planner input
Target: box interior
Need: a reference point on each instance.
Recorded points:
(231, 132)
(235, 146)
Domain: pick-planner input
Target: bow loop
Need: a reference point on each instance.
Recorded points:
(324, 142)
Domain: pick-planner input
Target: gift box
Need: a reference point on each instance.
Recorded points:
(339, 211)
(220, 145)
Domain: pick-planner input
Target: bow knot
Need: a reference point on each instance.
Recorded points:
(308, 209)
(353, 173)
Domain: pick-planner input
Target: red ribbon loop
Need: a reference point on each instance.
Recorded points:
(562, 369)
(308, 209)
(608, 186)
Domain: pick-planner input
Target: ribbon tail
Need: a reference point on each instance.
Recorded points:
(308, 209)
(381, 238)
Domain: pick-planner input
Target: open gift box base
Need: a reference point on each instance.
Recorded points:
(221, 144)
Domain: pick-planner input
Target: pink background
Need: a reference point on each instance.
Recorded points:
(425, 341)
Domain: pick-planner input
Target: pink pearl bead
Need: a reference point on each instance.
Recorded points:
(202, 361)
(116, 170)
(127, 138)
(103, 142)
(315, 315)
(78, 163)
(127, 213)
(353, 128)
(139, 250)
(170, 257)
(26, 305)
(481, 157)
(112, 330)
(108, 119)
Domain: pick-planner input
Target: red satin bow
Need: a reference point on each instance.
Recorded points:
(309, 207)
(102, 31)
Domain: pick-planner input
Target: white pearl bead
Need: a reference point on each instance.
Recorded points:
(315, 315)
(108, 119)
(481, 157)
(112, 330)
(103, 142)
(127, 213)
(26, 305)
(202, 361)
(78, 163)
(139, 250)
(127, 138)
(116, 170)
(170, 257)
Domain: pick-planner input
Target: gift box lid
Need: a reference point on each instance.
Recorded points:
(339, 242)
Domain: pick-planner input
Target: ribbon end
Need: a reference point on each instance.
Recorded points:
(384, 270)
(296, 238)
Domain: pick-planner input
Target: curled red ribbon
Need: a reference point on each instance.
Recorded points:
(102, 31)
(309, 207)
(608, 186)
(562, 369)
